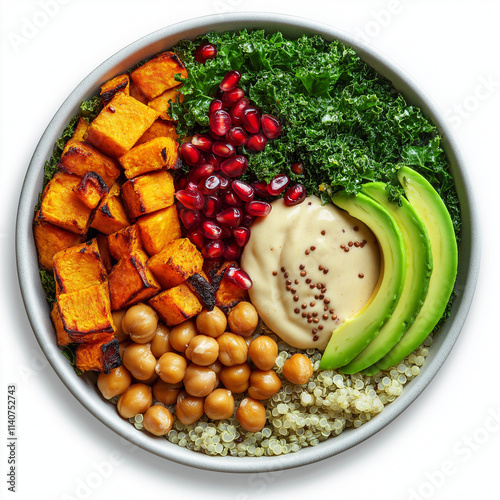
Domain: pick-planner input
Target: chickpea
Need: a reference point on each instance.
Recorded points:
(233, 349)
(161, 342)
(140, 322)
(117, 321)
(166, 393)
(219, 404)
(216, 367)
(171, 367)
(158, 420)
(123, 346)
(243, 318)
(298, 369)
(136, 399)
(251, 414)
(199, 380)
(139, 361)
(263, 351)
(263, 384)
(202, 350)
(212, 323)
(236, 378)
(188, 409)
(181, 335)
(115, 382)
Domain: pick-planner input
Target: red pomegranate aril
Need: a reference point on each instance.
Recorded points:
(214, 160)
(200, 172)
(271, 126)
(191, 199)
(202, 141)
(238, 277)
(196, 238)
(234, 166)
(241, 235)
(237, 136)
(258, 208)
(190, 153)
(237, 110)
(230, 80)
(191, 186)
(190, 218)
(250, 119)
(247, 220)
(210, 230)
(232, 96)
(230, 199)
(223, 148)
(204, 52)
(230, 216)
(243, 191)
(210, 185)
(180, 182)
(220, 122)
(232, 251)
(226, 232)
(297, 168)
(212, 206)
(260, 188)
(257, 142)
(278, 184)
(294, 195)
(215, 105)
(213, 249)
(225, 183)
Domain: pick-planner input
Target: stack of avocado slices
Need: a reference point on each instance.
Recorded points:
(418, 271)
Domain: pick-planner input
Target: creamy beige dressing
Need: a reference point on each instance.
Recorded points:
(312, 266)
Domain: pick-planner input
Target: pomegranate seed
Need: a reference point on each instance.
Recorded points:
(260, 188)
(229, 217)
(278, 184)
(230, 80)
(237, 110)
(243, 191)
(224, 149)
(226, 233)
(224, 182)
(193, 200)
(271, 126)
(247, 220)
(232, 96)
(238, 277)
(250, 119)
(196, 238)
(180, 182)
(210, 230)
(202, 141)
(209, 157)
(191, 186)
(237, 136)
(210, 185)
(213, 249)
(257, 142)
(294, 195)
(297, 168)
(232, 250)
(220, 122)
(204, 52)
(214, 106)
(190, 218)
(230, 199)
(234, 166)
(190, 154)
(200, 172)
(212, 206)
(241, 235)
(258, 208)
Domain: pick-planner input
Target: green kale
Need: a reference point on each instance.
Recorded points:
(49, 285)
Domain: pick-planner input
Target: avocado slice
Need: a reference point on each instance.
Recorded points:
(433, 212)
(418, 273)
(352, 336)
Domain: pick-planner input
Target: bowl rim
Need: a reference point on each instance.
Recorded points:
(34, 298)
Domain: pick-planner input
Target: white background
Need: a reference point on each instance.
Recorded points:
(446, 446)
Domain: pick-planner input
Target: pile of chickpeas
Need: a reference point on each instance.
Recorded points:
(196, 367)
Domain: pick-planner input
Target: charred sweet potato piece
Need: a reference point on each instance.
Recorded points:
(148, 193)
(159, 228)
(136, 93)
(199, 284)
(80, 131)
(131, 281)
(162, 102)
(91, 189)
(176, 304)
(158, 74)
(62, 334)
(178, 260)
(119, 125)
(110, 216)
(77, 267)
(102, 355)
(102, 243)
(120, 83)
(124, 241)
(62, 207)
(160, 128)
(156, 154)
(228, 294)
(85, 314)
(49, 240)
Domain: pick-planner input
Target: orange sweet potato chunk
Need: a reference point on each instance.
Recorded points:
(62, 334)
(159, 228)
(120, 83)
(160, 128)
(78, 135)
(91, 189)
(110, 216)
(163, 101)
(124, 241)
(102, 355)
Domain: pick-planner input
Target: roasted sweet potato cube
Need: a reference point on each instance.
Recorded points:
(228, 294)
(200, 285)
(62, 334)
(119, 125)
(102, 243)
(77, 267)
(158, 74)
(148, 193)
(100, 356)
(49, 240)
(178, 260)
(131, 281)
(163, 101)
(156, 154)
(136, 93)
(80, 131)
(160, 128)
(86, 314)
(124, 241)
(176, 304)
(159, 228)
(119, 83)
(81, 158)
(91, 189)
(110, 216)
(62, 207)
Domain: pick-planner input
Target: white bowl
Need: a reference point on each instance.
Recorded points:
(83, 387)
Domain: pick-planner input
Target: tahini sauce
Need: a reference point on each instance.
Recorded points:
(312, 266)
